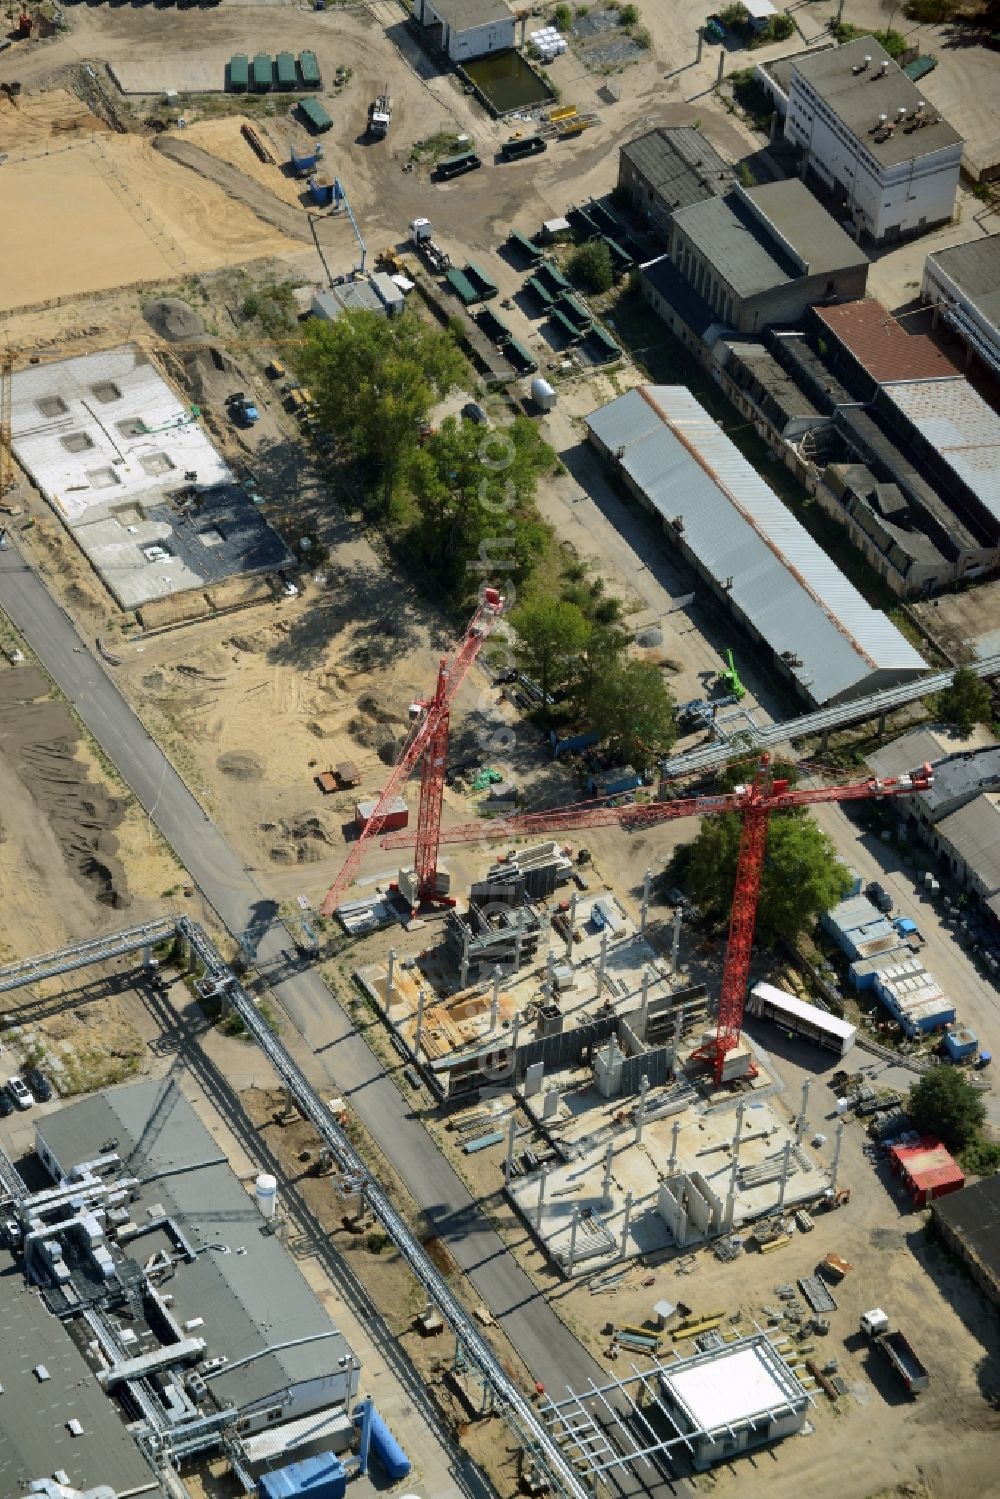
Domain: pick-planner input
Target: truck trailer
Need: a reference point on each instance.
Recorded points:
(909, 1368)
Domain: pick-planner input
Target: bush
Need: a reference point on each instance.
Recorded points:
(780, 28)
(590, 267)
(628, 15)
(930, 12)
(981, 1158)
(562, 17)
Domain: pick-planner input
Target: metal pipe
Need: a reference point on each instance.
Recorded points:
(836, 1155)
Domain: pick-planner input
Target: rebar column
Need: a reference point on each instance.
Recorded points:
(463, 970)
(644, 1009)
(574, 1225)
(647, 885)
(836, 1156)
(541, 1198)
(602, 961)
(640, 1113)
(675, 946)
(389, 978)
(784, 1174)
(421, 1001)
(495, 1000)
(571, 927)
(511, 1137)
(609, 1161)
(800, 1123)
(675, 1134)
(625, 1223)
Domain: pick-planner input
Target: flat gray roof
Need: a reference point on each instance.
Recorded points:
(462, 15)
(763, 237)
(248, 1300)
(34, 1440)
(975, 269)
(777, 577)
(681, 165)
(859, 98)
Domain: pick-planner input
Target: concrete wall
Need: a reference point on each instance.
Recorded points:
(887, 202)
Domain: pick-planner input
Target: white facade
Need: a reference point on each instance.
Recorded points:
(897, 182)
(469, 28)
(962, 313)
(732, 1399)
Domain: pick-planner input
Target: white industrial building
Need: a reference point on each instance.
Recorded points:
(963, 286)
(732, 529)
(867, 131)
(732, 1399)
(464, 29)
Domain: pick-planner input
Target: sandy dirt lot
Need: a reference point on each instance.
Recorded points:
(128, 212)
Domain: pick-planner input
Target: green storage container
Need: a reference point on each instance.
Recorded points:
(540, 290)
(562, 322)
(309, 69)
(263, 72)
(458, 282)
(315, 115)
(285, 64)
(521, 358)
(239, 73)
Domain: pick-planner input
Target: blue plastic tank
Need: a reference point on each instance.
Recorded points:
(387, 1451)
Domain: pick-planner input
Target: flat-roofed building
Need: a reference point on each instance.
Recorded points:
(464, 29)
(732, 1399)
(869, 133)
(963, 286)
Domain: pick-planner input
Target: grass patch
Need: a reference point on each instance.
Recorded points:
(434, 147)
(893, 41)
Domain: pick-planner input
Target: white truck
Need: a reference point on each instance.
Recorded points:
(423, 242)
(380, 116)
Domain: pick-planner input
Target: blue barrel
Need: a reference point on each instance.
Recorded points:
(387, 1451)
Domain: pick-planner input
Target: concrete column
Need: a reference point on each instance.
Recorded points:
(824, 741)
(572, 925)
(572, 1239)
(677, 1033)
(147, 955)
(647, 885)
(784, 1175)
(518, 945)
(640, 1113)
(881, 725)
(495, 1000)
(601, 962)
(514, 1032)
(550, 970)
(644, 1011)
(421, 1001)
(626, 1221)
(511, 1136)
(609, 1161)
(740, 1107)
(541, 1199)
(463, 968)
(389, 979)
(836, 1155)
(800, 1123)
(673, 1145)
(675, 946)
(701, 43)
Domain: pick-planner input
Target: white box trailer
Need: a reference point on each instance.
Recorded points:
(804, 1019)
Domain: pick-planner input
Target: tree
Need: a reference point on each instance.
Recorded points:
(374, 381)
(474, 491)
(632, 710)
(562, 16)
(551, 634)
(606, 645)
(801, 875)
(590, 266)
(966, 702)
(944, 1103)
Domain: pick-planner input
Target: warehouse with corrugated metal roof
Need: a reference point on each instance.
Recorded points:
(732, 529)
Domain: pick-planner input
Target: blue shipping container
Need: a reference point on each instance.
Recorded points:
(572, 745)
(322, 1477)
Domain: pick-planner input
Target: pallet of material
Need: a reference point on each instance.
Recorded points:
(696, 1328)
(778, 1243)
(818, 1294)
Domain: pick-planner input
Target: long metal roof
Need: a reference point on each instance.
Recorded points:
(954, 419)
(775, 575)
(250, 1301)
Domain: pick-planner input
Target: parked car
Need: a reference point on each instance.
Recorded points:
(879, 897)
(473, 412)
(6, 1104)
(39, 1084)
(20, 1093)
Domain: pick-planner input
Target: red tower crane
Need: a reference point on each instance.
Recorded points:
(427, 740)
(754, 802)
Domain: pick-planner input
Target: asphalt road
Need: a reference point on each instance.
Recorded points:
(553, 1355)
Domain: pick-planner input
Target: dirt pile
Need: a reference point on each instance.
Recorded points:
(38, 737)
(174, 320)
(295, 839)
(240, 765)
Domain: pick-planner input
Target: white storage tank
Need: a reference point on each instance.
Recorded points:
(542, 394)
(266, 1193)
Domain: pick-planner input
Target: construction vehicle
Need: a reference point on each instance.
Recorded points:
(242, 410)
(729, 678)
(420, 236)
(380, 116)
(896, 1346)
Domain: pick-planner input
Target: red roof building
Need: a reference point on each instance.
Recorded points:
(928, 1170)
(883, 348)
